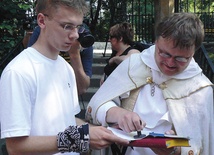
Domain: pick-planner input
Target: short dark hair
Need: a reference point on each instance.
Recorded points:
(123, 30)
(185, 29)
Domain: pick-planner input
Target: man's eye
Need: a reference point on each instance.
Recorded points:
(68, 27)
(165, 55)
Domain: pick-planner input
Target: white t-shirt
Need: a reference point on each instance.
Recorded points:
(38, 96)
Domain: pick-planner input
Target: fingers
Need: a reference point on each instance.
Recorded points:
(127, 120)
(76, 45)
(131, 122)
(101, 137)
(139, 124)
(170, 132)
(75, 48)
(114, 139)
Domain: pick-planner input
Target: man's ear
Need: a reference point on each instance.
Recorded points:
(121, 39)
(41, 20)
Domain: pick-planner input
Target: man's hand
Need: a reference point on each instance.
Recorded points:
(127, 120)
(75, 48)
(100, 138)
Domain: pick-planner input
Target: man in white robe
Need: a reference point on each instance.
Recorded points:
(174, 96)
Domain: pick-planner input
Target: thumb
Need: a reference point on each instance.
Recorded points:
(170, 132)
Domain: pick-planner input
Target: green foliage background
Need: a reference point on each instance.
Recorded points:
(13, 14)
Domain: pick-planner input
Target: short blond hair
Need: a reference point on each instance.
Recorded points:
(50, 6)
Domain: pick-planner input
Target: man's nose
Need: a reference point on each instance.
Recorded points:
(171, 62)
(74, 34)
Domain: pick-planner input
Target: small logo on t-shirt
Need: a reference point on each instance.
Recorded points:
(69, 85)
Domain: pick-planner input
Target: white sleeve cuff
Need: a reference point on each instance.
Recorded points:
(101, 113)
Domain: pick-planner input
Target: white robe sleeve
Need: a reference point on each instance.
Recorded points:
(101, 113)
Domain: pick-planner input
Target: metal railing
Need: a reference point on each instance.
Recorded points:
(203, 60)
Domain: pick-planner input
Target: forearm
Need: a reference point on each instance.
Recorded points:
(114, 113)
(72, 139)
(32, 145)
(116, 59)
(119, 59)
(82, 80)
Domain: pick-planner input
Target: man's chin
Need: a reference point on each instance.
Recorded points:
(169, 72)
(66, 48)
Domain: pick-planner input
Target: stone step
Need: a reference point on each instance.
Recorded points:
(89, 93)
(95, 80)
(100, 60)
(97, 69)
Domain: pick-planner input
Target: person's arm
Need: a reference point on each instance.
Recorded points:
(99, 138)
(83, 80)
(119, 59)
(31, 145)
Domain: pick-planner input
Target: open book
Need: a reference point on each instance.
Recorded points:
(152, 139)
